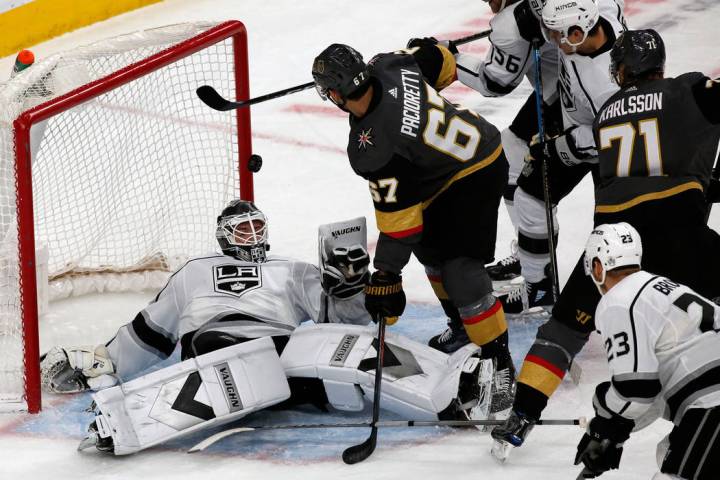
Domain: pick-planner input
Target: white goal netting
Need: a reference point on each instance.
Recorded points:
(129, 169)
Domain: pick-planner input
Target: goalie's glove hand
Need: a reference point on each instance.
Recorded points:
(384, 296)
(345, 271)
(432, 41)
(601, 447)
(75, 369)
(559, 148)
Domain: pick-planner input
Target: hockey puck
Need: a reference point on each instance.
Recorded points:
(254, 163)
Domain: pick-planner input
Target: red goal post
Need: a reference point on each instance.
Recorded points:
(114, 165)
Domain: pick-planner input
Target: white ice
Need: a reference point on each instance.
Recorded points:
(306, 181)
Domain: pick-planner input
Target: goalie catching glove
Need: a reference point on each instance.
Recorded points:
(345, 271)
(384, 296)
(76, 369)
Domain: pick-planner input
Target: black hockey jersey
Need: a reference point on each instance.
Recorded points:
(654, 143)
(411, 145)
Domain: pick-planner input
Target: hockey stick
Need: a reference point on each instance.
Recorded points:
(358, 453)
(545, 166)
(211, 440)
(214, 100)
(714, 177)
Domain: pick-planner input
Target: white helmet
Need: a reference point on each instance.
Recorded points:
(614, 245)
(561, 15)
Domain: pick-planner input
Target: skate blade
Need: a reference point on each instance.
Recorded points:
(501, 450)
(507, 285)
(88, 442)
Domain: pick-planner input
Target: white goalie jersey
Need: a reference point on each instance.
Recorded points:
(219, 292)
(663, 348)
(509, 60)
(585, 83)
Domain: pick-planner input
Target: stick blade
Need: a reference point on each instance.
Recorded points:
(217, 437)
(358, 453)
(214, 100)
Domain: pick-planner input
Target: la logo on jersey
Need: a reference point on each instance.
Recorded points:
(236, 279)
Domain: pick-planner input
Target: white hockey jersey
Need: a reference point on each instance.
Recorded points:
(663, 348)
(585, 83)
(509, 60)
(219, 292)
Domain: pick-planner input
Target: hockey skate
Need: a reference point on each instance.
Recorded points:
(505, 269)
(474, 392)
(503, 386)
(98, 435)
(510, 435)
(452, 339)
(530, 298)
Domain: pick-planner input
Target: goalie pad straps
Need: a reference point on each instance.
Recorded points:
(418, 381)
(195, 394)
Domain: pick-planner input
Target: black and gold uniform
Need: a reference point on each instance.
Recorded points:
(657, 142)
(436, 174)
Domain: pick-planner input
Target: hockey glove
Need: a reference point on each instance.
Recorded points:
(345, 272)
(431, 41)
(384, 296)
(601, 447)
(560, 148)
(75, 369)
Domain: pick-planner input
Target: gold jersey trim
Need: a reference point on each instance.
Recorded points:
(648, 197)
(408, 219)
(447, 72)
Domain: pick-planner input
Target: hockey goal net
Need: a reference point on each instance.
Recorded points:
(112, 168)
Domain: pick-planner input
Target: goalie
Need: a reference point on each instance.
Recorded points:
(235, 316)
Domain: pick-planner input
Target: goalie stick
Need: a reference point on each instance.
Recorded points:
(214, 100)
(211, 440)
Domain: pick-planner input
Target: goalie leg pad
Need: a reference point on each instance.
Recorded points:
(418, 381)
(208, 390)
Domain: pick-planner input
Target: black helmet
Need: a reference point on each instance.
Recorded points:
(641, 51)
(242, 231)
(340, 68)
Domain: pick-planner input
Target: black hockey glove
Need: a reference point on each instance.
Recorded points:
(431, 41)
(345, 272)
(601, 447)
(560, 148)
(384, 296)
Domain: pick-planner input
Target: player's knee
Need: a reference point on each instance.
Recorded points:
(530, 212)
(465, 280)
(555, 334)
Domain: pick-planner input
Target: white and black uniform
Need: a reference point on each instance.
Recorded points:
(508, 62)
(663, 349)
(510, 58)
(584, 84)
(220, 293)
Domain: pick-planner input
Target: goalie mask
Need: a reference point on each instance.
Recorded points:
(242, 232)
(614, 245)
